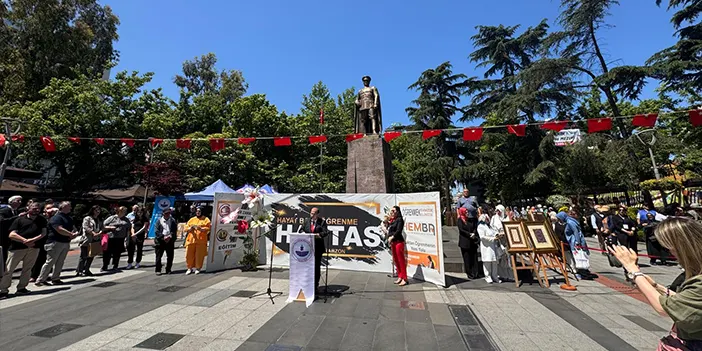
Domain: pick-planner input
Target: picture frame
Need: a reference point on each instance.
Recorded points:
(516, 238)
(541, 236)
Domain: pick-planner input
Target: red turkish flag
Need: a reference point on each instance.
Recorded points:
(696, 118)
(318, 139)
(282, 141)
(18, 137)
(595, 125)
(156, 141)
(100, 141)
(555, 126)
(74, 139)
(389, 136)
(648, 120)
(49, 144)
(128, 141)
(430, 133)
(217, 144)
(2, 140)
(352, 137)
(246, 141)
(517, 129)
(321, 116)
(183, 143)
(472, 134)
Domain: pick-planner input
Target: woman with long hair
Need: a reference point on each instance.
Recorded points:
(683, 237)
(92, 232)
(397, 244)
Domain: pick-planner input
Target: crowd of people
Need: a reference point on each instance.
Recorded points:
(675, 234)
(38, 237)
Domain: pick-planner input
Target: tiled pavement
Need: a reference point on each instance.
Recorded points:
(137, 309)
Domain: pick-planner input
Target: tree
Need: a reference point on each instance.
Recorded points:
(679, 67)
(206, 96)
(163, 177)
(88, 107)
(579, 50)
(440, 92)
(41, 40)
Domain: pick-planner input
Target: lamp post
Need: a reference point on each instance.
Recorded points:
(650, 151)
(8, 143)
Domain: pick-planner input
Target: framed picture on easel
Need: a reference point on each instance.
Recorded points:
(516, 238)
(541, 237)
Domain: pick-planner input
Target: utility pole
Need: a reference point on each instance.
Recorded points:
(8, 142)
(152, 147)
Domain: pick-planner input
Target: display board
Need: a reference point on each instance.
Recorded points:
(226, 246)
(161, 203)
(356, 241)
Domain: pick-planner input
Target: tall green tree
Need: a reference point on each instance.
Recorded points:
(679, 67)
(41, 40)
(85, 107)
(440, 92)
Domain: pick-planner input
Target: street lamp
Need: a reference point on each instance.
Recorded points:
(650, 151)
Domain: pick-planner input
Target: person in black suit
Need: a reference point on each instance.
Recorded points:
(8, 215)
(316, 225)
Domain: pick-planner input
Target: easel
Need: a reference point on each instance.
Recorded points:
(524, 255)
(551, 260)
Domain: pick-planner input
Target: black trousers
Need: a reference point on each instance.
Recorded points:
(41, 259)
(319, 250)
(629, 242)
(115, 247)
(134, 244)
(168, 248)
(85, 260)
(470, 261)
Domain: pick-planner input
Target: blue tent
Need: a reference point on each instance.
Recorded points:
(207, 194)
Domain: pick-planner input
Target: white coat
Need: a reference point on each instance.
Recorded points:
(488, 245)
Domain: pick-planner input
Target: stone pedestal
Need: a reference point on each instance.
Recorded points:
(369, 166)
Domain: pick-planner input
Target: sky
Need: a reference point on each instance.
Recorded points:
(284, 47)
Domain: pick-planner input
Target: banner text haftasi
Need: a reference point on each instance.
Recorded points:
(356, 241)
(354, 233)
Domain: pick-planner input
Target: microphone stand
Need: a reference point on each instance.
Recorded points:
(271, 294)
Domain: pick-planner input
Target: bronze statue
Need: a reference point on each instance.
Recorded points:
(367, 117)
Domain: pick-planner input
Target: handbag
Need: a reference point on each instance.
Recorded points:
(94, 248)
(672, 342)
(582, 259)
(103, 242)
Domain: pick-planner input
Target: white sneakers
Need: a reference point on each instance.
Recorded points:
(197, 271)
(192, 270)
(188, 271)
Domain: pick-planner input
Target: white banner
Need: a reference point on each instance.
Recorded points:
(423, 239)
(226, 244)
(301, 268)
(567, 137)
(356, 241)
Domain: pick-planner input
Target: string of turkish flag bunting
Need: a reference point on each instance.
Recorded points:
(594, 125)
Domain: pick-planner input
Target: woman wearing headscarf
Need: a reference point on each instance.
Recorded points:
(488, 249)
(504, 271)
(198, 228)
(468, 243)
(575, 240)
(397, 244)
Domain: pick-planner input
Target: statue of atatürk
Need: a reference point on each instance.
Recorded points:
(367, 117)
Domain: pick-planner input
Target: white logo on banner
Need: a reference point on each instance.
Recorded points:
(301, 267)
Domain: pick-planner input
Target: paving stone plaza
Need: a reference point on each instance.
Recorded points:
(228, 310)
